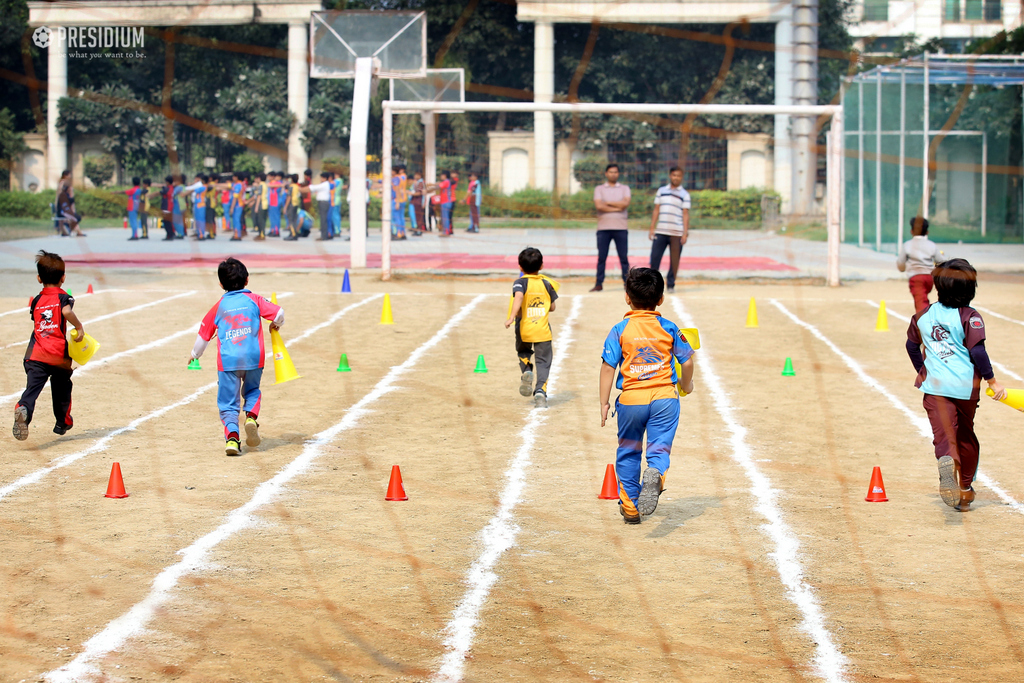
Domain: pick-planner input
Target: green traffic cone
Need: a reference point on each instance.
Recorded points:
(343, 363)
(68, 290)
(194, 364)
(787, 369)
(480, 365)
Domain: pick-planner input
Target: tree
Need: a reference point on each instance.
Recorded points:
(12, 144)
(99, 168)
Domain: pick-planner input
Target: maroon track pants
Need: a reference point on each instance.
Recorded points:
(920, 288)
(953, 432)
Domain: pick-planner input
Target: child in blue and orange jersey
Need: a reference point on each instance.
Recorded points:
(235, 321)
(337, 185)
(533, 298)
(134, 200)
(177, 212)
(643, 347)
(198, 190)
(398, 199)
(47, 355)
(234, 213)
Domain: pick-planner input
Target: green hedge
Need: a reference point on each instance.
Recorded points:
(91, 203)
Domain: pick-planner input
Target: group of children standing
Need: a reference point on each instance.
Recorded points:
(271, 201)
(416, 199)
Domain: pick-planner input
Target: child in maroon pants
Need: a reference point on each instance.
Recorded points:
(917, 257)
(946, 344)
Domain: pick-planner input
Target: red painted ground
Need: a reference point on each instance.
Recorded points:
(438, 262)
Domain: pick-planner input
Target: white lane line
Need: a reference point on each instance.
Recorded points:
(24, 309)
(923, 426)
(988, 311)
(108, 316)
(500, 533)
(100, 445)
(829, 661)
(998, 366)
(156, 343)
(333, 319)
(194, 557)
(103, 443)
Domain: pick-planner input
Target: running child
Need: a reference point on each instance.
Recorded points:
(533, 331)
(643, 347)
(235, 321)
(917, 257)
(946, 344)
(47, 355)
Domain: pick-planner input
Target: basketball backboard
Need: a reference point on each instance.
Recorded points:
(439, 85)
(397, 39)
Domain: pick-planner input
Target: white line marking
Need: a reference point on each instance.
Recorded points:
(829, 661)
(134, 621)
(149, 346)
(500, 533)
(108, 316)
(103, 443)
(923, 426)
(24, 309)
(333, 319)
(100, 445)
(999, 315)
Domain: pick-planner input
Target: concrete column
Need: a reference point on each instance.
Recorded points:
(429, 147)
(544, 91)
(56, 88)
(784, 96)
(805, 92)
(298, 93)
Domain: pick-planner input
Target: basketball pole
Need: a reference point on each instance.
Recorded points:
(834, 156)
(386, 199)
(357, 160)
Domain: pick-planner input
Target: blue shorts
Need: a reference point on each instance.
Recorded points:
(659, 419)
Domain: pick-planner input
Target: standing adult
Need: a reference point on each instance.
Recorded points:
(322, 192)
(670, 224)
(612, 203)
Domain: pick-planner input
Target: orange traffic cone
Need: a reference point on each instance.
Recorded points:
(610, 487)
(89, 291)
(395, 489)
(876, 489)
(115, 488)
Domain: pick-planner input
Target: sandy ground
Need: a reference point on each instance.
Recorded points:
(330, 582)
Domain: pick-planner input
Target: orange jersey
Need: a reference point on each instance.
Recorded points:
(642, 347)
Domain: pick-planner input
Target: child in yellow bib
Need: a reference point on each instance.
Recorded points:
(534, 297)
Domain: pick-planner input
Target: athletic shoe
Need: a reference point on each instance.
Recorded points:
(671, 290)
(540, 400)
(949, 481)
(235, 239)
(20, 423)
(630, 516)
(232, 447)
(966, 498)
(650, 489)
(61, 430)
(258, 238)
(290, 238)
(252, 434)
(133, 239)
(526, 383)
(597, 288)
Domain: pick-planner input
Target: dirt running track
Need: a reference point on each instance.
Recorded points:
(330, 582)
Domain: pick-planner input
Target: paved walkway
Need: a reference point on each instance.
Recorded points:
(709, 253)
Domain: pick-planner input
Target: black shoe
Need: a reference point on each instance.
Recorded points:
(167, 239)
(144, 237)
(291, 239)
(133, 239)
(61, 430)
(597, 288)
(235, 239)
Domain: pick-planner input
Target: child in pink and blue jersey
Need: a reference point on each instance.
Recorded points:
(235, 321)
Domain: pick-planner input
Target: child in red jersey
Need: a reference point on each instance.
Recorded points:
(47, 355)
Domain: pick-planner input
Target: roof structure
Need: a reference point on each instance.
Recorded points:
(950, 70)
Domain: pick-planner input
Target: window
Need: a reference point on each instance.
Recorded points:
(878, 10)
(972, 10)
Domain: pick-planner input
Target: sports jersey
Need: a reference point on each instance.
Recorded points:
(211, 196)
(133, 198)
(236, 194)
(48, 343)
(398, 185)
(642, 347)
(225, 196)
(445, 191)
(235, 319)
(272, 194)
(948, 335)
(538, 294)
(336, 192)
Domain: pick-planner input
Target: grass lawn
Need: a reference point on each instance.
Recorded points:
(14, 228)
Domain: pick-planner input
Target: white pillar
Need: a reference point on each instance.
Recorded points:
(357, 161)
(385, 218)
(56, 88)
(544, 91)
(805, 92)
(298, 94)
(429, 147)
(834, 183)
(784, 96)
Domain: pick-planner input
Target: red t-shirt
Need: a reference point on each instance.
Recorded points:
(48, 343)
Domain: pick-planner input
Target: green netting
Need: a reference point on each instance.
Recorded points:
(978, 137)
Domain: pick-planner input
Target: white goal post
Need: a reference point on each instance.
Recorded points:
(834, 153)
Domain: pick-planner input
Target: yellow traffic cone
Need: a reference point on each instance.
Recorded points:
(385, 313)
(1014, 398)
(752, 314)
(284, 368)
(692, 337)
(273, 298)
(679, 378)
(882, 324)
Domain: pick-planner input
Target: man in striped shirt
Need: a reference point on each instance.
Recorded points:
(670, 224)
